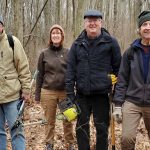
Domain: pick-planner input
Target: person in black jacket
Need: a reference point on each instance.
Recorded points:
(133, 86)
(93, 56)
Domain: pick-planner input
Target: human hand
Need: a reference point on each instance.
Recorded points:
(26, 96)
(117, 113)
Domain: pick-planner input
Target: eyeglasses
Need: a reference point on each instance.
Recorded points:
(92, 20)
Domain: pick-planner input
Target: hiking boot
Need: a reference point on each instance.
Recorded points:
(49, 146)
(70, 147)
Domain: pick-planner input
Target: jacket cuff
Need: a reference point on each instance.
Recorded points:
(26, 91)
(118, 104)
(70, 93)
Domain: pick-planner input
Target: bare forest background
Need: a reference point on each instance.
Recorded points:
(30, 20)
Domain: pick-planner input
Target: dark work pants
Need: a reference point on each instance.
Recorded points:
(99, 106)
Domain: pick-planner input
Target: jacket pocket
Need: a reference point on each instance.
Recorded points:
(100, 81)
(11, 77)
(12, 86)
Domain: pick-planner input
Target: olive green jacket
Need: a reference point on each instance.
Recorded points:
(14, 70)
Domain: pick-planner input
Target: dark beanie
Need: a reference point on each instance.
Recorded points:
(1, 20)
(143, 17)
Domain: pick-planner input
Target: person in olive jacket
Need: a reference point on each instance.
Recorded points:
(50, 84)
(14, 85)
(93, 56)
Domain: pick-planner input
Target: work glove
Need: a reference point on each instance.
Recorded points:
(113, 78)
(60, 116)
(117, 113)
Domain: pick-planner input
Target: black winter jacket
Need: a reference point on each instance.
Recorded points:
(89, 64)
(130, 85)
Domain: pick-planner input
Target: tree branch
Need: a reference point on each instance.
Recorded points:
(36, 22)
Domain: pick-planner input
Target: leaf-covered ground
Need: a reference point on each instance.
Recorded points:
(35, 133)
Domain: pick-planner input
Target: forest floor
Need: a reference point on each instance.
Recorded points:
(35, 133)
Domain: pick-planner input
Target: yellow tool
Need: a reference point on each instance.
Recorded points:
(113, 78)
(71, 114)
(68, 110)
(112, 120)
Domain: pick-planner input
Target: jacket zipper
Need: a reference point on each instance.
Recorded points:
(144, 94)
(56, 53)
(2, 54)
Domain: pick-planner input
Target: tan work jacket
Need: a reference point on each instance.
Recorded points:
(14, 70)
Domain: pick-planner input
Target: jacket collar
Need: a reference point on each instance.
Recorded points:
(54, 48)
(137, 44)
(82, 38)
(2, 35)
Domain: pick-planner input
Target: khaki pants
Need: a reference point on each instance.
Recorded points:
(49, 101)
(131, 119)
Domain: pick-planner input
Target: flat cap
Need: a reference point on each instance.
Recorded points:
(93, 13)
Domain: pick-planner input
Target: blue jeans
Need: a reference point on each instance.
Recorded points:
(9, 113)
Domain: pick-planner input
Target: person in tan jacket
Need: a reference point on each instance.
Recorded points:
(50, 85)
(14, 86)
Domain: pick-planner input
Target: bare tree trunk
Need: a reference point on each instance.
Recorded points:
(69, 21)
(73, 18)
(23, 22)
(79, 17)
(57, 12)
(30, 19)
(18, 19)
(98, 5)
(47, 20)
(36, 20)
